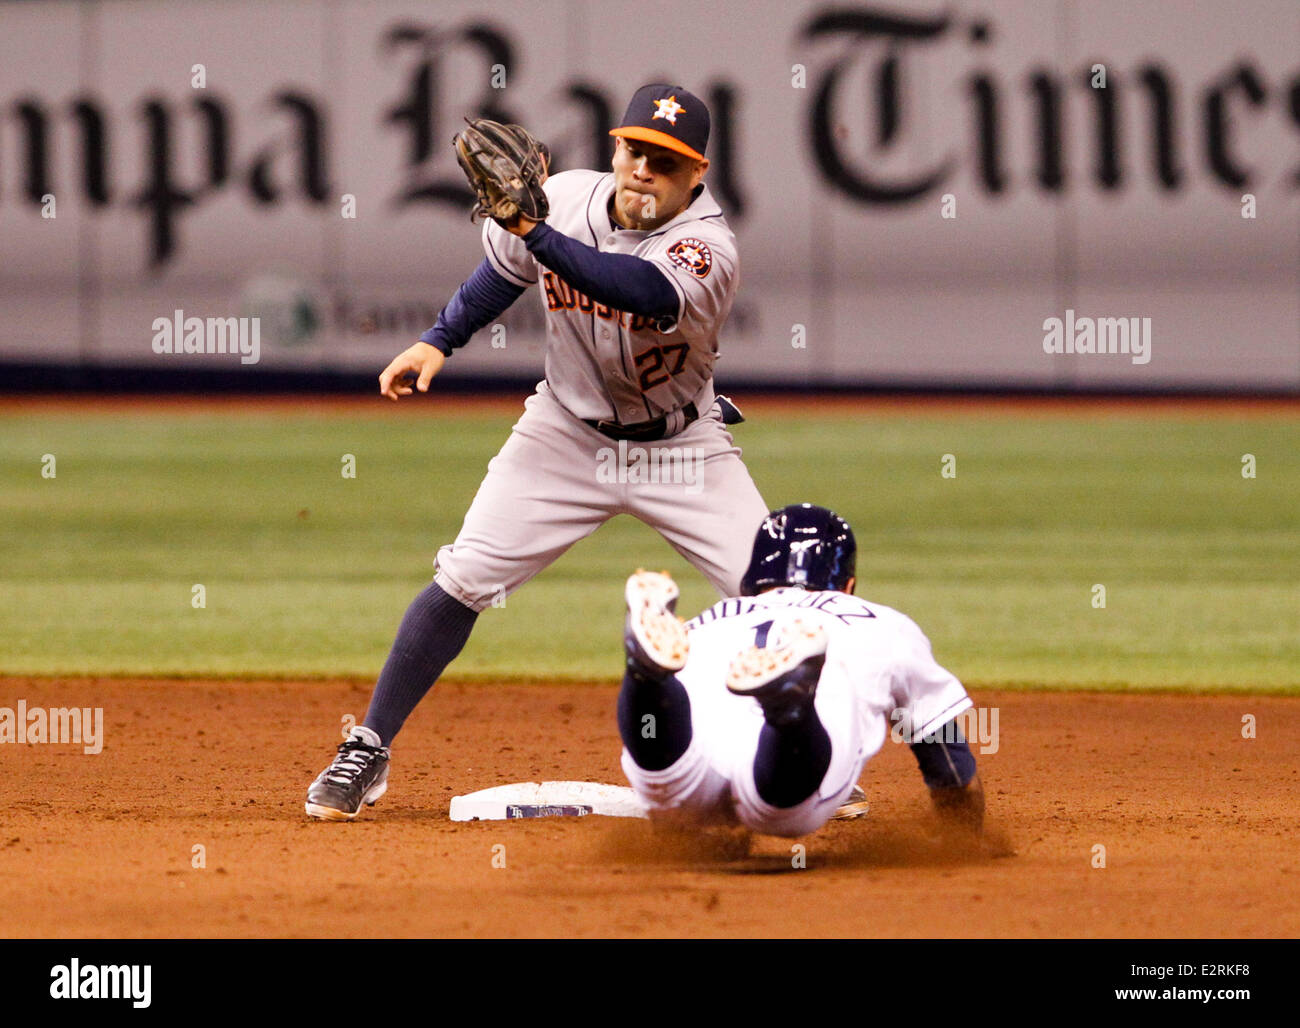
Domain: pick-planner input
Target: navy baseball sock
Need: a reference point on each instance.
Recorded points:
(433, 631)
(945, 765)
(654, 719)
(791, 760)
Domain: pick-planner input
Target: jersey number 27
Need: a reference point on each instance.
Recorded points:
(655, 360)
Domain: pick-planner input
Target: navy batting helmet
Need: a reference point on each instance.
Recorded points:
(802, 545)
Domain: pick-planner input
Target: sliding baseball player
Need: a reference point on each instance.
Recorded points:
(763, 709)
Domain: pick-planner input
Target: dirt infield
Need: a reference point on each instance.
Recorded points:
(1198, 825)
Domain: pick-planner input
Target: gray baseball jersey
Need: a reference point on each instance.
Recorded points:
(608, 364)
(557, 479)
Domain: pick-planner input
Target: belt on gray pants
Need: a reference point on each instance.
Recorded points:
(647, 431)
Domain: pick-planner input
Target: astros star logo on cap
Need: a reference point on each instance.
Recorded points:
(668, 109)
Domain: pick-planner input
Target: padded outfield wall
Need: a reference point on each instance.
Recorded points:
(918, 187)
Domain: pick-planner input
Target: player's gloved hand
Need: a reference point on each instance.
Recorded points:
(420, 361)
(505, 165)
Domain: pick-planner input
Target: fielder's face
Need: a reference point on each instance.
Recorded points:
(652, 183)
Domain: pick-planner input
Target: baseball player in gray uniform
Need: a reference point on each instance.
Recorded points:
(636, 270)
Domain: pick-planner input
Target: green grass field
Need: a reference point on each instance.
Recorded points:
(308, 573)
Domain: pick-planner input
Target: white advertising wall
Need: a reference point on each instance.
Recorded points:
(918, 188)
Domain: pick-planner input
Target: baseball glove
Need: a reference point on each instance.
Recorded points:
(506, 167)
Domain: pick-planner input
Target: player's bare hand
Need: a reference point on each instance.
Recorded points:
(420, 362)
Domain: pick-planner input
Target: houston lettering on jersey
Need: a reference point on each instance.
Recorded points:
(560, 296)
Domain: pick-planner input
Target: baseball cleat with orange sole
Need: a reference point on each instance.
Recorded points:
(782, 676)
(654, 637)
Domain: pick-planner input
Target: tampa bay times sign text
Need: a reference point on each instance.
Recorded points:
(871, 112)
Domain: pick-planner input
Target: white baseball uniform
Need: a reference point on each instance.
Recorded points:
(879, 673)
(557, 479)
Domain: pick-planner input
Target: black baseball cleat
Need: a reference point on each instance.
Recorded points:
(359, 774)
(654, 638)
(782, 676)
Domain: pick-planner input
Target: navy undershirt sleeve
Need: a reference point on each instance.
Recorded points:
(945, 765)
(618, 280)
(483, 298)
